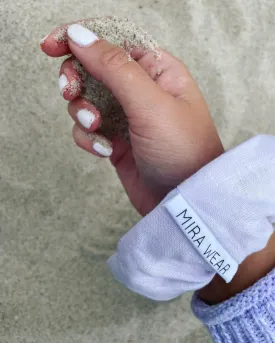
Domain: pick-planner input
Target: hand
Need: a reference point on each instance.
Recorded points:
(171, 132)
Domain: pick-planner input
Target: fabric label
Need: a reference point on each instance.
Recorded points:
(202, 238)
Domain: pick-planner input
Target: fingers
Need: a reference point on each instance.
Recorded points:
(55, 44)
(88, 119)
(126, 79)
(169, 73)
(92, 142)
(70, 83)
(84, 114)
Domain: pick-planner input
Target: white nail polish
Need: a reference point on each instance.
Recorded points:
(62, 82)
(81, 36)
(43, 39)
(102, 150)
(85, 117)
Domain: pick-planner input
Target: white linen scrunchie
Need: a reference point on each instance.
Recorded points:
(231, 203)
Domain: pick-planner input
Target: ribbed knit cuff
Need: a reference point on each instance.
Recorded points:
(247, 317)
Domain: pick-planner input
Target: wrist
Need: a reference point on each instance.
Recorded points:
(253, 268)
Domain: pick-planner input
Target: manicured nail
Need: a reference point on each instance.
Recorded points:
(62, 82)
(85, 117)
(81, 36)
(43, 40)
(101, 145)
(102, 149)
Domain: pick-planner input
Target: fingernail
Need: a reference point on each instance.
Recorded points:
(101, 145)
(102, 150)
(43, 39)
(62, 82)
(81, 36)
(85, 117)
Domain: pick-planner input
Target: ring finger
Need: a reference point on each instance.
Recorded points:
(86, 115)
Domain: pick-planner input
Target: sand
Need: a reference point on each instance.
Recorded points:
(62, 211)
(95, 138)
(127, 35)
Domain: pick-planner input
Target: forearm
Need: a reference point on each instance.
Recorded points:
(254, 267)
(244, 309)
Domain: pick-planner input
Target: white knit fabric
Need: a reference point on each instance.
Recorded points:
(234, 196)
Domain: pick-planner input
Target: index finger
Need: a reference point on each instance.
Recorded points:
(55, 44)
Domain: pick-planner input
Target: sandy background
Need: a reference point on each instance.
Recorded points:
(62, 211)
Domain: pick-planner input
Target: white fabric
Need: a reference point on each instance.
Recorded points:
(234, 196)
(201, 237)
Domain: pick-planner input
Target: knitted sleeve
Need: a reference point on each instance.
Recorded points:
(247, 317)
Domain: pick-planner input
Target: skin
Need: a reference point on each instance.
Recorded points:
(251, 270)
(171, 131)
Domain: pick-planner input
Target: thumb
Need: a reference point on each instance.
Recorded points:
(111, 65)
